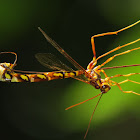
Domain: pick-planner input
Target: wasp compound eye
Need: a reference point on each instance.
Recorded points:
(105, 88)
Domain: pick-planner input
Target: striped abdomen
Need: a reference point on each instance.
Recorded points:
(18, 77)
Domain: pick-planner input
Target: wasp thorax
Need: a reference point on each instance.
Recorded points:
(105, 88)
(94, 83)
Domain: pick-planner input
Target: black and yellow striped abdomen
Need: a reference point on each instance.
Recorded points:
(7, 75)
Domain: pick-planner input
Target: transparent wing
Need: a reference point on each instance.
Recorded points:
(69, 58)
(52, 62)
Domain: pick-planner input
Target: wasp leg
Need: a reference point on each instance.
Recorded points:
(118, 84)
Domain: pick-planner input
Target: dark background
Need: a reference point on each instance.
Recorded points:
(36, 111)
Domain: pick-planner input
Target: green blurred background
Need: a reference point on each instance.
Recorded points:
(36, 111)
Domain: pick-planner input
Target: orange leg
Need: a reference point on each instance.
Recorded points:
(14, 64)
(98, 68)
(118, 84)
(94, 61)
(111, 58)
(117, 48)
(127, 80)
(104, 73)
(80, 79)
(125, 75)
(108, 33)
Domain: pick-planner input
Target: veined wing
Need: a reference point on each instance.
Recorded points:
(55, 45)
(52, 62)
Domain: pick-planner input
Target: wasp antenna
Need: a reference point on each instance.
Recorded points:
(92, 115)
(83, 102)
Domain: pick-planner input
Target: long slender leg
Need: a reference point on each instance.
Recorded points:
(108, 33)
(127, 80)
(91, 64)
(94, 62)
(117, 48)
(111, 58)
(117, 84)
(14, 64)
(104, 73)
(81, 80)
(125, 75)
